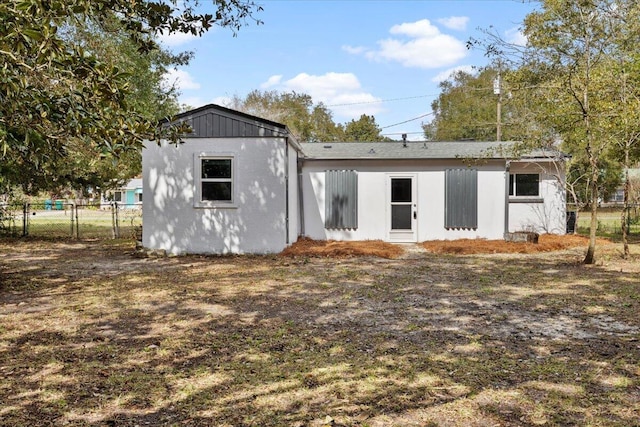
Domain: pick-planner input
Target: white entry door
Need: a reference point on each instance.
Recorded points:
(402, 210)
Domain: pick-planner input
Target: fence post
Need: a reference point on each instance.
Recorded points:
(25, 219)
(113, 221)
(77, 223)
(117, 221)
(115, 232)
(71, 215)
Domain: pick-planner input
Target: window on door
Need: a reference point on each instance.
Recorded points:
(401, 203)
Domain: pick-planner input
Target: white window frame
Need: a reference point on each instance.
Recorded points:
(198, 180)
(515, 198)
(514, 186)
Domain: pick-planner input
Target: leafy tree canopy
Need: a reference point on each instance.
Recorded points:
(365, 129)
(307, 121)
(81, 77)
(465, 108)
(567, 72)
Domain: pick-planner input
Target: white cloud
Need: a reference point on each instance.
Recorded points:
(458, 23)
(272, 81)
(225, 101)
(337, 91)
(353, 105)
(515, 36)
(418, 29)
(175, 39)
(354, 50)
(444, 75)
(181, 79)
(419, 44)
(326, 86)
(192, 102)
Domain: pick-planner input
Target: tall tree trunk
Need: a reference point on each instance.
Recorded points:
(592, 155)
(624, 224)
(590, 257)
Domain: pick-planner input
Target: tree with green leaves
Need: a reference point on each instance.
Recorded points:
(63, 91)
(622, 101)
(465, 108)
(365, 129)
(307, 121)
(565, 68)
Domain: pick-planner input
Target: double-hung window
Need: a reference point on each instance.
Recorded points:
(215, 181)
(524, 185)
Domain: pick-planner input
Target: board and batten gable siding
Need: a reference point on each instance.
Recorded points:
(214, 121)
(545, 213)
(256, 220)
(373, 210)
(211, 125)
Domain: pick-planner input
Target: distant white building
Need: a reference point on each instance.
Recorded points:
(242, 184)
(617, 198)
(128, 196)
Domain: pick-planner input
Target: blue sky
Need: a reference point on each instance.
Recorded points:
(379, 57)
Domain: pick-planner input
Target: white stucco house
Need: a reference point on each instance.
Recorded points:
(242, 184)
(231, 187)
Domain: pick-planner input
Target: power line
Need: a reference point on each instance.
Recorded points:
(379, 101)
(456, 88)
(406, 121)
(402, 133)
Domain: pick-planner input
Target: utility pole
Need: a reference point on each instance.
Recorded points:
(497, 91)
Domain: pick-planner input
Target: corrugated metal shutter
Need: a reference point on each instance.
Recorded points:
(461, 199)
(341, 199)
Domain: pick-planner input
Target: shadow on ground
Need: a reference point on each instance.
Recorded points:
(92, 335)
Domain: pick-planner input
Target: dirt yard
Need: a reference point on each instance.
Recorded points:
(92, 334)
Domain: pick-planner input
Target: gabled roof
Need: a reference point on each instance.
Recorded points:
(215, 121)
(417, 150)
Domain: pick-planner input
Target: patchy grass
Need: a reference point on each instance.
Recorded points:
(91, 335)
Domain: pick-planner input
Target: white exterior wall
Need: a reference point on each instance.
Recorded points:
(373, 203)
(257, 221)
(547, 214)
(294, 205)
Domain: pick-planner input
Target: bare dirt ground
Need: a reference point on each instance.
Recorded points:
(92, 334)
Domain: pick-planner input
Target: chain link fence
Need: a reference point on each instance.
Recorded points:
(59, 219)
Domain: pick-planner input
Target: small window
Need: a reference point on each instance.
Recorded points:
(139, 197)
(117, 196)
(524, 184)
(216, 179)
